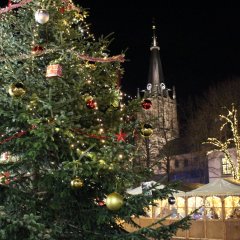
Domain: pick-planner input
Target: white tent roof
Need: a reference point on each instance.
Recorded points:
(138, 190)
(218, 187)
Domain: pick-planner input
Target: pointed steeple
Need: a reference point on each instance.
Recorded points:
(155, 75)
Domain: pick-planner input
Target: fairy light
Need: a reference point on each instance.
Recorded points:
(101, 130)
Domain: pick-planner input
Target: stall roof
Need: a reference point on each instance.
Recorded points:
(138, 190)
(218, 187)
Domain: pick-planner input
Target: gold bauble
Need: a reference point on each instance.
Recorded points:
(114, 201)
(77, 183)
(17, 89)
(146, 130)
(91, 66)
(87, 98)
(115, 103)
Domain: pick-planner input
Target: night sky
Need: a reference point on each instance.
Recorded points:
(199, 47)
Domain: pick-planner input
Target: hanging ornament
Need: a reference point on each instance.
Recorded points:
(54, 70)
(114, 201)
(171, 200)
(61, 10)
(17, 89)
(37, 50)
(91, 103)
(121, 136)
(41, 16)
(77, 183)
(90, 65)
(5, 178)
(114, 105)
(146, 104)
(100, 202)
(146, 130)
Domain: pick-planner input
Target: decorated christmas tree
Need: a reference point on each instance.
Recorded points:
(67, 140)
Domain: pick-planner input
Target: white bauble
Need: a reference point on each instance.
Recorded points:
(41, 16)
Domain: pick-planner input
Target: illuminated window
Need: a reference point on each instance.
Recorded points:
(162, 209)
(178, 209)
(226, 167)
(175, 211)
(232, 207)
(196, 203)
(213, 207)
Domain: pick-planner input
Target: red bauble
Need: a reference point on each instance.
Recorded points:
(62, 10)
(37, 49)
(146, 104)
(100, 202)
(91, 104)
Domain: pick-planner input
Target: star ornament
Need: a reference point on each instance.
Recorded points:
(121, 136)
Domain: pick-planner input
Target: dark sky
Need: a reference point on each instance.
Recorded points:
(199, 47)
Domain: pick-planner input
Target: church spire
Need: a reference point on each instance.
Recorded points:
(155, 76)
(154, 44)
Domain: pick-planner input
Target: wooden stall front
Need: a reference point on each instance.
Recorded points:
(218, 217)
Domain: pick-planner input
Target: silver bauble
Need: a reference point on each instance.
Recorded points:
(41, 16)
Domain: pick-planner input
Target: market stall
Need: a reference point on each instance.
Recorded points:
(218, 215)
(219, 211)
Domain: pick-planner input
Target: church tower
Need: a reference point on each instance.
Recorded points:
(162, 115)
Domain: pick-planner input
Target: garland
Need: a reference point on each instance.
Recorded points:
(120, 136)
(117, 58)
(89, 135)
(16, 135)
(11, 6)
